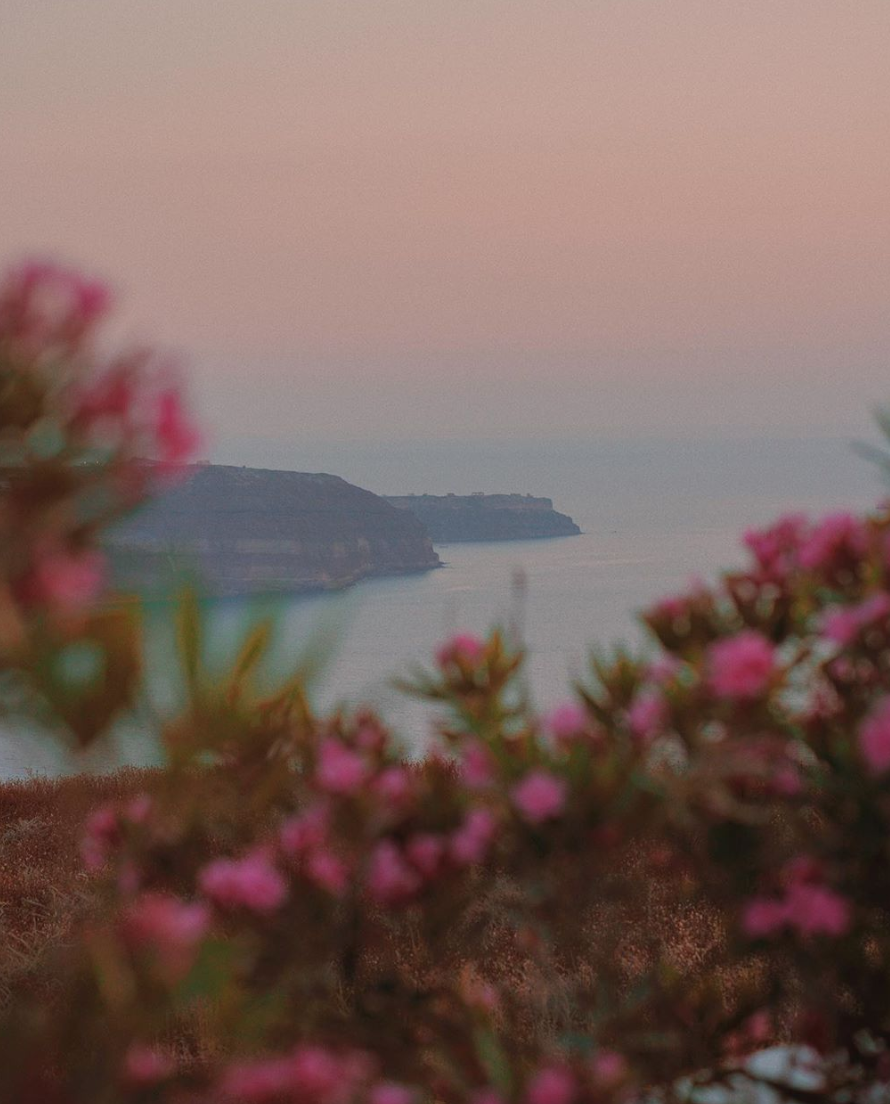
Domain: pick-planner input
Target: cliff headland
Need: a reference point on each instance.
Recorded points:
(247, 530)
(486, 517)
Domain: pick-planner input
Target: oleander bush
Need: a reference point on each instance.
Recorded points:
(685, 863)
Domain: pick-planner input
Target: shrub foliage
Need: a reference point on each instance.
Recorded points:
(685, 863)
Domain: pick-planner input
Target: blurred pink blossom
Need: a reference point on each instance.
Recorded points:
(477, 767)
(426, 851)
(305, 831)
(648, 714)
(340, 770)
(389, 878)
(874, 738)
(836, 535)
(776, 548)
(553, 1085)
(177, 437)
(389, 1092)
(67, 580)
(172, 929)
(741, 666)
(251, 882)
(100, 834)
(470, 843)
(566, 721)
(539, 796)
(463, 648)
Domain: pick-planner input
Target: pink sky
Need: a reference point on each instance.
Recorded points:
(371, 217)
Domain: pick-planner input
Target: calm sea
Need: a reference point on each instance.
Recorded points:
(654, 515)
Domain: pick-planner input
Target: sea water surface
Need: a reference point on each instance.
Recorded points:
(654, 515)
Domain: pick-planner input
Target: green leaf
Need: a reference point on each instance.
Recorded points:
(252, 651)
(494, 1060)
(190, 638)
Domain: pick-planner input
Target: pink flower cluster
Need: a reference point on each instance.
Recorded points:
(340, 769)
(874, 738)
(47, 308)
(539, 796)
(792, 543)
(741, 667)
(807, 906)
(463, 650)
(566, 722)
(776, 548)
(308, 1075)
(129, 405)
(648, 714)
(169, 928)
(251, 883)
(62, 578)
(843, 624)
(305, 840)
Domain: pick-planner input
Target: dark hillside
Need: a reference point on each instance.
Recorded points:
(249, 530)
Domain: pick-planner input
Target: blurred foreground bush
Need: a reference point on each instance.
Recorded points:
(685, 863)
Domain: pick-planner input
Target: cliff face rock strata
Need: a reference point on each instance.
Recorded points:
(246, 530)
(486, 517)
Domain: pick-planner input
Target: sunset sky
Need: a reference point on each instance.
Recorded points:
(471, 218)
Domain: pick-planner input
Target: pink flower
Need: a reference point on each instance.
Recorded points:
(553, 1085)
(874, 738)
(252, 883)
(566, 722)
(310, 1075)
(304, 832)
(426, 851)
(539, 796)
(763, 916)
(842, 624)
(464, 650)
(477, 767)
(138, 808)
(328, 871)
(671, 608)
(258, 1082)
(608, 1068)
(837, 535)
(775, 549)
(101, 833)
(741, 666)
(340, 770)
(486, 1096)
(809, 906)
(44, 306)
(470, 843)
(389, 878)
(171, 929)
(177, 438)
(319, 1074)
(393, 786)
(64, 579)
(874, 608)
(663, 669)
(647, 715)
(817, 910)
(146, 1065)
(389, 1092)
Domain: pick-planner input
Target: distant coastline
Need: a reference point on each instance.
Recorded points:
(255, 531)
(486, 517)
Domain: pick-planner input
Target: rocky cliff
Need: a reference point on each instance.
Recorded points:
(486, 517)
(245, 530)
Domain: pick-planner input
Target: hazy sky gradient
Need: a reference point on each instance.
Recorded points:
(471, 218)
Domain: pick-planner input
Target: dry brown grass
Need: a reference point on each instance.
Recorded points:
(43, 886)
